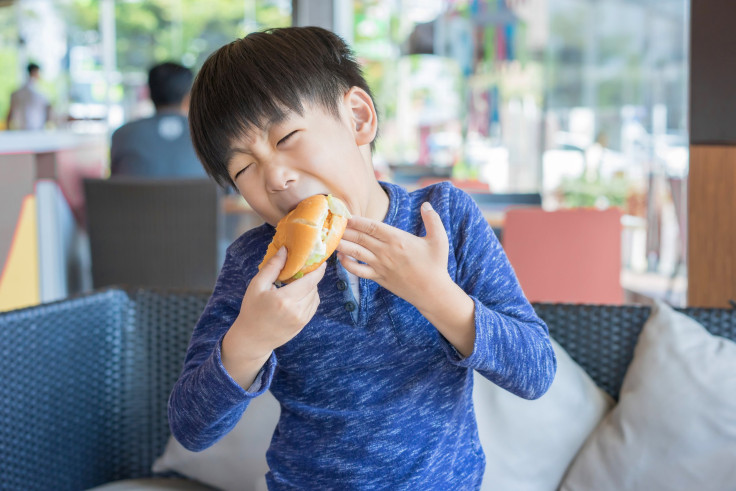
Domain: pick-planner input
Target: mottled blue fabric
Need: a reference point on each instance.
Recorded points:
(372, 396)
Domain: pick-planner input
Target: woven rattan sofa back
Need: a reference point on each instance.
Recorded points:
(85, 381)
(601, 338)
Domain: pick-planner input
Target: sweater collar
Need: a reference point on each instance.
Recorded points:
(396, 195)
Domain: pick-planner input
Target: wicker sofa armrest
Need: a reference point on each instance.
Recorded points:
(84, 386)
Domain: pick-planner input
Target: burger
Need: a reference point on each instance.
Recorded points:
(310, 233)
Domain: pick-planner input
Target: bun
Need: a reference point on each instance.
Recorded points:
(310, 232)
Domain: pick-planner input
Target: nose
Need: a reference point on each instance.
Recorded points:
(280, 177)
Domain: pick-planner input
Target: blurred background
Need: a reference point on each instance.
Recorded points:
(583, 103)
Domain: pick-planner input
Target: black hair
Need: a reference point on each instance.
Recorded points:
(32, 67)
(258, 79)
(169, 83)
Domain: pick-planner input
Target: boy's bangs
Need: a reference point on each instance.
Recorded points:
(254, 82)
(252, 114)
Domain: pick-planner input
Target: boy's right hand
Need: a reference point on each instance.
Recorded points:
(269, 317)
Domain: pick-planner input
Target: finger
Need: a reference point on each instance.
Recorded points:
(306, 285)
(433, 224)
(362, 238)
(353, 266)
(356, 251)
(373, 228)
(270, 271)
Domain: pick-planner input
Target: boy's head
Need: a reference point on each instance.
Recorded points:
(255, 81)
(169, 84)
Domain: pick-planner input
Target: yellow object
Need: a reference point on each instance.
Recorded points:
(19, 279)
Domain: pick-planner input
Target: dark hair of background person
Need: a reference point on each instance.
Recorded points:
(32, 68)
(255, 81)
(169, 83)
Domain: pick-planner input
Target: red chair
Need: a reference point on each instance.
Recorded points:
(571, 256)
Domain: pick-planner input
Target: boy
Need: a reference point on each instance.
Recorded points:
(371, 356)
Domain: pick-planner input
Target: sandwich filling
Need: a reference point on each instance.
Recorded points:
(324, 223)
(319, 248)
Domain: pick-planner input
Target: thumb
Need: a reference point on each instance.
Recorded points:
(433, 224)
(270, 271)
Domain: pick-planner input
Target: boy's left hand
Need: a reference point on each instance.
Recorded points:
(407, 265)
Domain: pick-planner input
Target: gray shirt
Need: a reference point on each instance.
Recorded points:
(155, 147)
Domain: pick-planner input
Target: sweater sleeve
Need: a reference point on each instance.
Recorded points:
(512, 347)
(206, 402)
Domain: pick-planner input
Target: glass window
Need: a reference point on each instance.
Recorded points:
(95, 54)
(582, 101)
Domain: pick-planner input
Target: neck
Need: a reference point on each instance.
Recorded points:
(173, 108)
(378, 202)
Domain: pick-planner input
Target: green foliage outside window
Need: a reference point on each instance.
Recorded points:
(581, 192)
(8, 60)
(151, 31)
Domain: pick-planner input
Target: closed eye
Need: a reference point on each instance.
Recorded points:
(237, 174)
(286, 138)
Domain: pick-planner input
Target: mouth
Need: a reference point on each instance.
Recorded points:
(291, 206)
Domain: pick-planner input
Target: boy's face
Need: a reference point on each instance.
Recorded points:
(304, 155)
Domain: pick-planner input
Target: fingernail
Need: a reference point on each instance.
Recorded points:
(426, 206)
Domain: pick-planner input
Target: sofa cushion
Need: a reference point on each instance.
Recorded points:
(530, 444)
(235, 463)
(674, 426)
(153, 484)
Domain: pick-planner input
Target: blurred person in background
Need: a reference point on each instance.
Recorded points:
(29, 109)
(159, 146)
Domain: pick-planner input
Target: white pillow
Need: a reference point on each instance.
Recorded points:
(674, 426)
(235, 463)
(530, 444)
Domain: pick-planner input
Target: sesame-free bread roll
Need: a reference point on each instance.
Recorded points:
(310, 233)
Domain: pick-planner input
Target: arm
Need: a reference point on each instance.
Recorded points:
(480, 310)
(206, 401)
(230, 358)
(512, 347)
(269, 317)
(114, 152)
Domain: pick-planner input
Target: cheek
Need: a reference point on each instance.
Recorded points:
(333, 139)
(266, 213)
(317, 151)
(332, 154)
(258, 202)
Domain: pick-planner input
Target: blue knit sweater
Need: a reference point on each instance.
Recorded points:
(372, 396)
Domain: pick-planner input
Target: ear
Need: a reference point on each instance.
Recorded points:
(363, 115)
